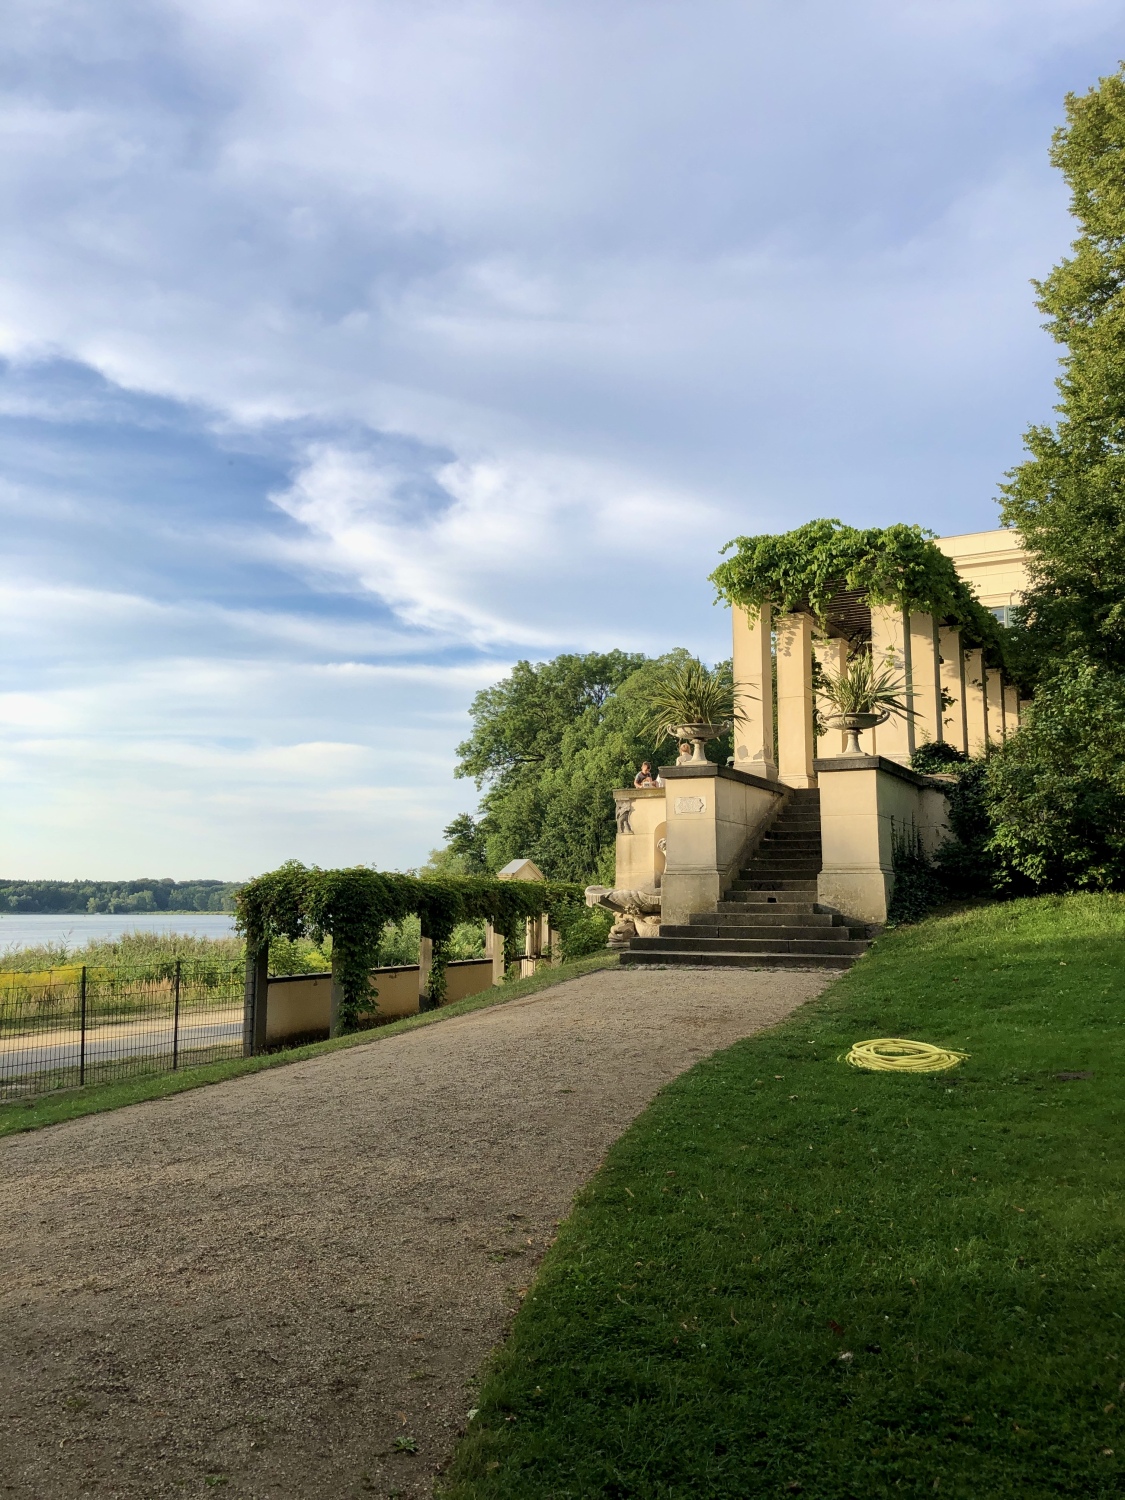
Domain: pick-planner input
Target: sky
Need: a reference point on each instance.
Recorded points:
(351, 352)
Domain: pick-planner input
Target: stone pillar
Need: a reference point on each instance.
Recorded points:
(494, 949)
(425, 964)
(831, 653)
(976, 709)
(994, 697)
(532, 946)
(890, 643)
(1011, 707)
(955, 722)
(257, 986)
(925, 679)
(554, 942)
(796, 744)
(335, 1005)
(753, 692)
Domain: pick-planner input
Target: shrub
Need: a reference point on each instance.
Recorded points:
(585, 930)
(1055, 792)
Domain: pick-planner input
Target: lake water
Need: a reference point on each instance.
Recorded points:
(77, 928)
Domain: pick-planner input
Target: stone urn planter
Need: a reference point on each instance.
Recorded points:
(699, 734)
(854, 725)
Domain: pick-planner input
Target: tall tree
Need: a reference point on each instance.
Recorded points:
(549, 744)
(1054, 795)
(1068, 498)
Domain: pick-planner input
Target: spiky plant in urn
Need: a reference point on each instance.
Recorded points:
(866, 693)
(691, 702)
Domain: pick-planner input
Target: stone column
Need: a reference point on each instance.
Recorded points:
(494, 949)
(831, 653)
(994, 697)
(925, 679)
(890, 642)
(532, 946)
(335, 1005)
(257, 985)
(796, 744)
(976, 709)
(955, 722)
(1011, 707)
(425, 964)
(753, 692)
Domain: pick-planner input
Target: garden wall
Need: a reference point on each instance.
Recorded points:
(300, 1005)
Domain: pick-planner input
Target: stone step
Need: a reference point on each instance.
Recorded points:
(739, 915)
(752, 911)
(780, 866)
(786, 932)
(774, 943)
(649, 958)
(782, 883)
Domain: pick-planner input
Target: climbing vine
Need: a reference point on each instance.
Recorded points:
(354, 906)
(898, 565)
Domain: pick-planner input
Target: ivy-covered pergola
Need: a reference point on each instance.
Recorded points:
(354, 906)
(805, 599)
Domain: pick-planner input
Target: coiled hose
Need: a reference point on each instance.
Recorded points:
(891, 1054)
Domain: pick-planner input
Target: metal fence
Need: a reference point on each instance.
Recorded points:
(63, 1027)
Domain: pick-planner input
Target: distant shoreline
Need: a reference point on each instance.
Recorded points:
(69, 911)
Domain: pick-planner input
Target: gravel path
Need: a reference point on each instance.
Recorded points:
(264, 1284)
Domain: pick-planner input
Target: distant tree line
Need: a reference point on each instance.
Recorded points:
(116, 895)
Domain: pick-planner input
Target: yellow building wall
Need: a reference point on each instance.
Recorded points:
(994, 562)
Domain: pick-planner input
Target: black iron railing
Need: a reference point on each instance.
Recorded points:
(63, 1027)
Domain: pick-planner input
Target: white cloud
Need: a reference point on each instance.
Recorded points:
(534, 306)
(492, 552)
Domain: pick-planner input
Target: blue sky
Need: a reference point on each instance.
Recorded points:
(350, 352)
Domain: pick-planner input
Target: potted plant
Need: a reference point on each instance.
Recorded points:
(690, 702)
(864, 694)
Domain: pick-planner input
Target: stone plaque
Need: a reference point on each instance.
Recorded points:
(690, 804)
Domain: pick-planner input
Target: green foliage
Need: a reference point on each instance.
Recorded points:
(1055, 792)
(550, 742)
(135, 951)
(899, 565)
(865, 686)
(793, 1277)
(917, 887)
(687, 692)
(468, 843)
(116, 895)
(936, 755)
(300, 956)
(584, 930)
(355, 908)
(1067, 499)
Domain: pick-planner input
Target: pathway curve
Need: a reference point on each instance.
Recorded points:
(262, 1284)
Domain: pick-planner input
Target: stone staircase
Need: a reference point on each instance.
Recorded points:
(769, 918)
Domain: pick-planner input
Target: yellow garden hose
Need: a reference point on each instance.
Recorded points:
(890, 1054)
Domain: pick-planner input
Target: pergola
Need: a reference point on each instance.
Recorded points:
(956, 697)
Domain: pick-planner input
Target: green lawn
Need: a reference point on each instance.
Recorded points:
(69, 1104)
(794, 1277)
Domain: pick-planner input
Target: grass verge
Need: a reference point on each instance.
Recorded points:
(793, 1277)
(69, 1104)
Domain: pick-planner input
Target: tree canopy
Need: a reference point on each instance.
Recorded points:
(1067, 499)
(549, 744)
